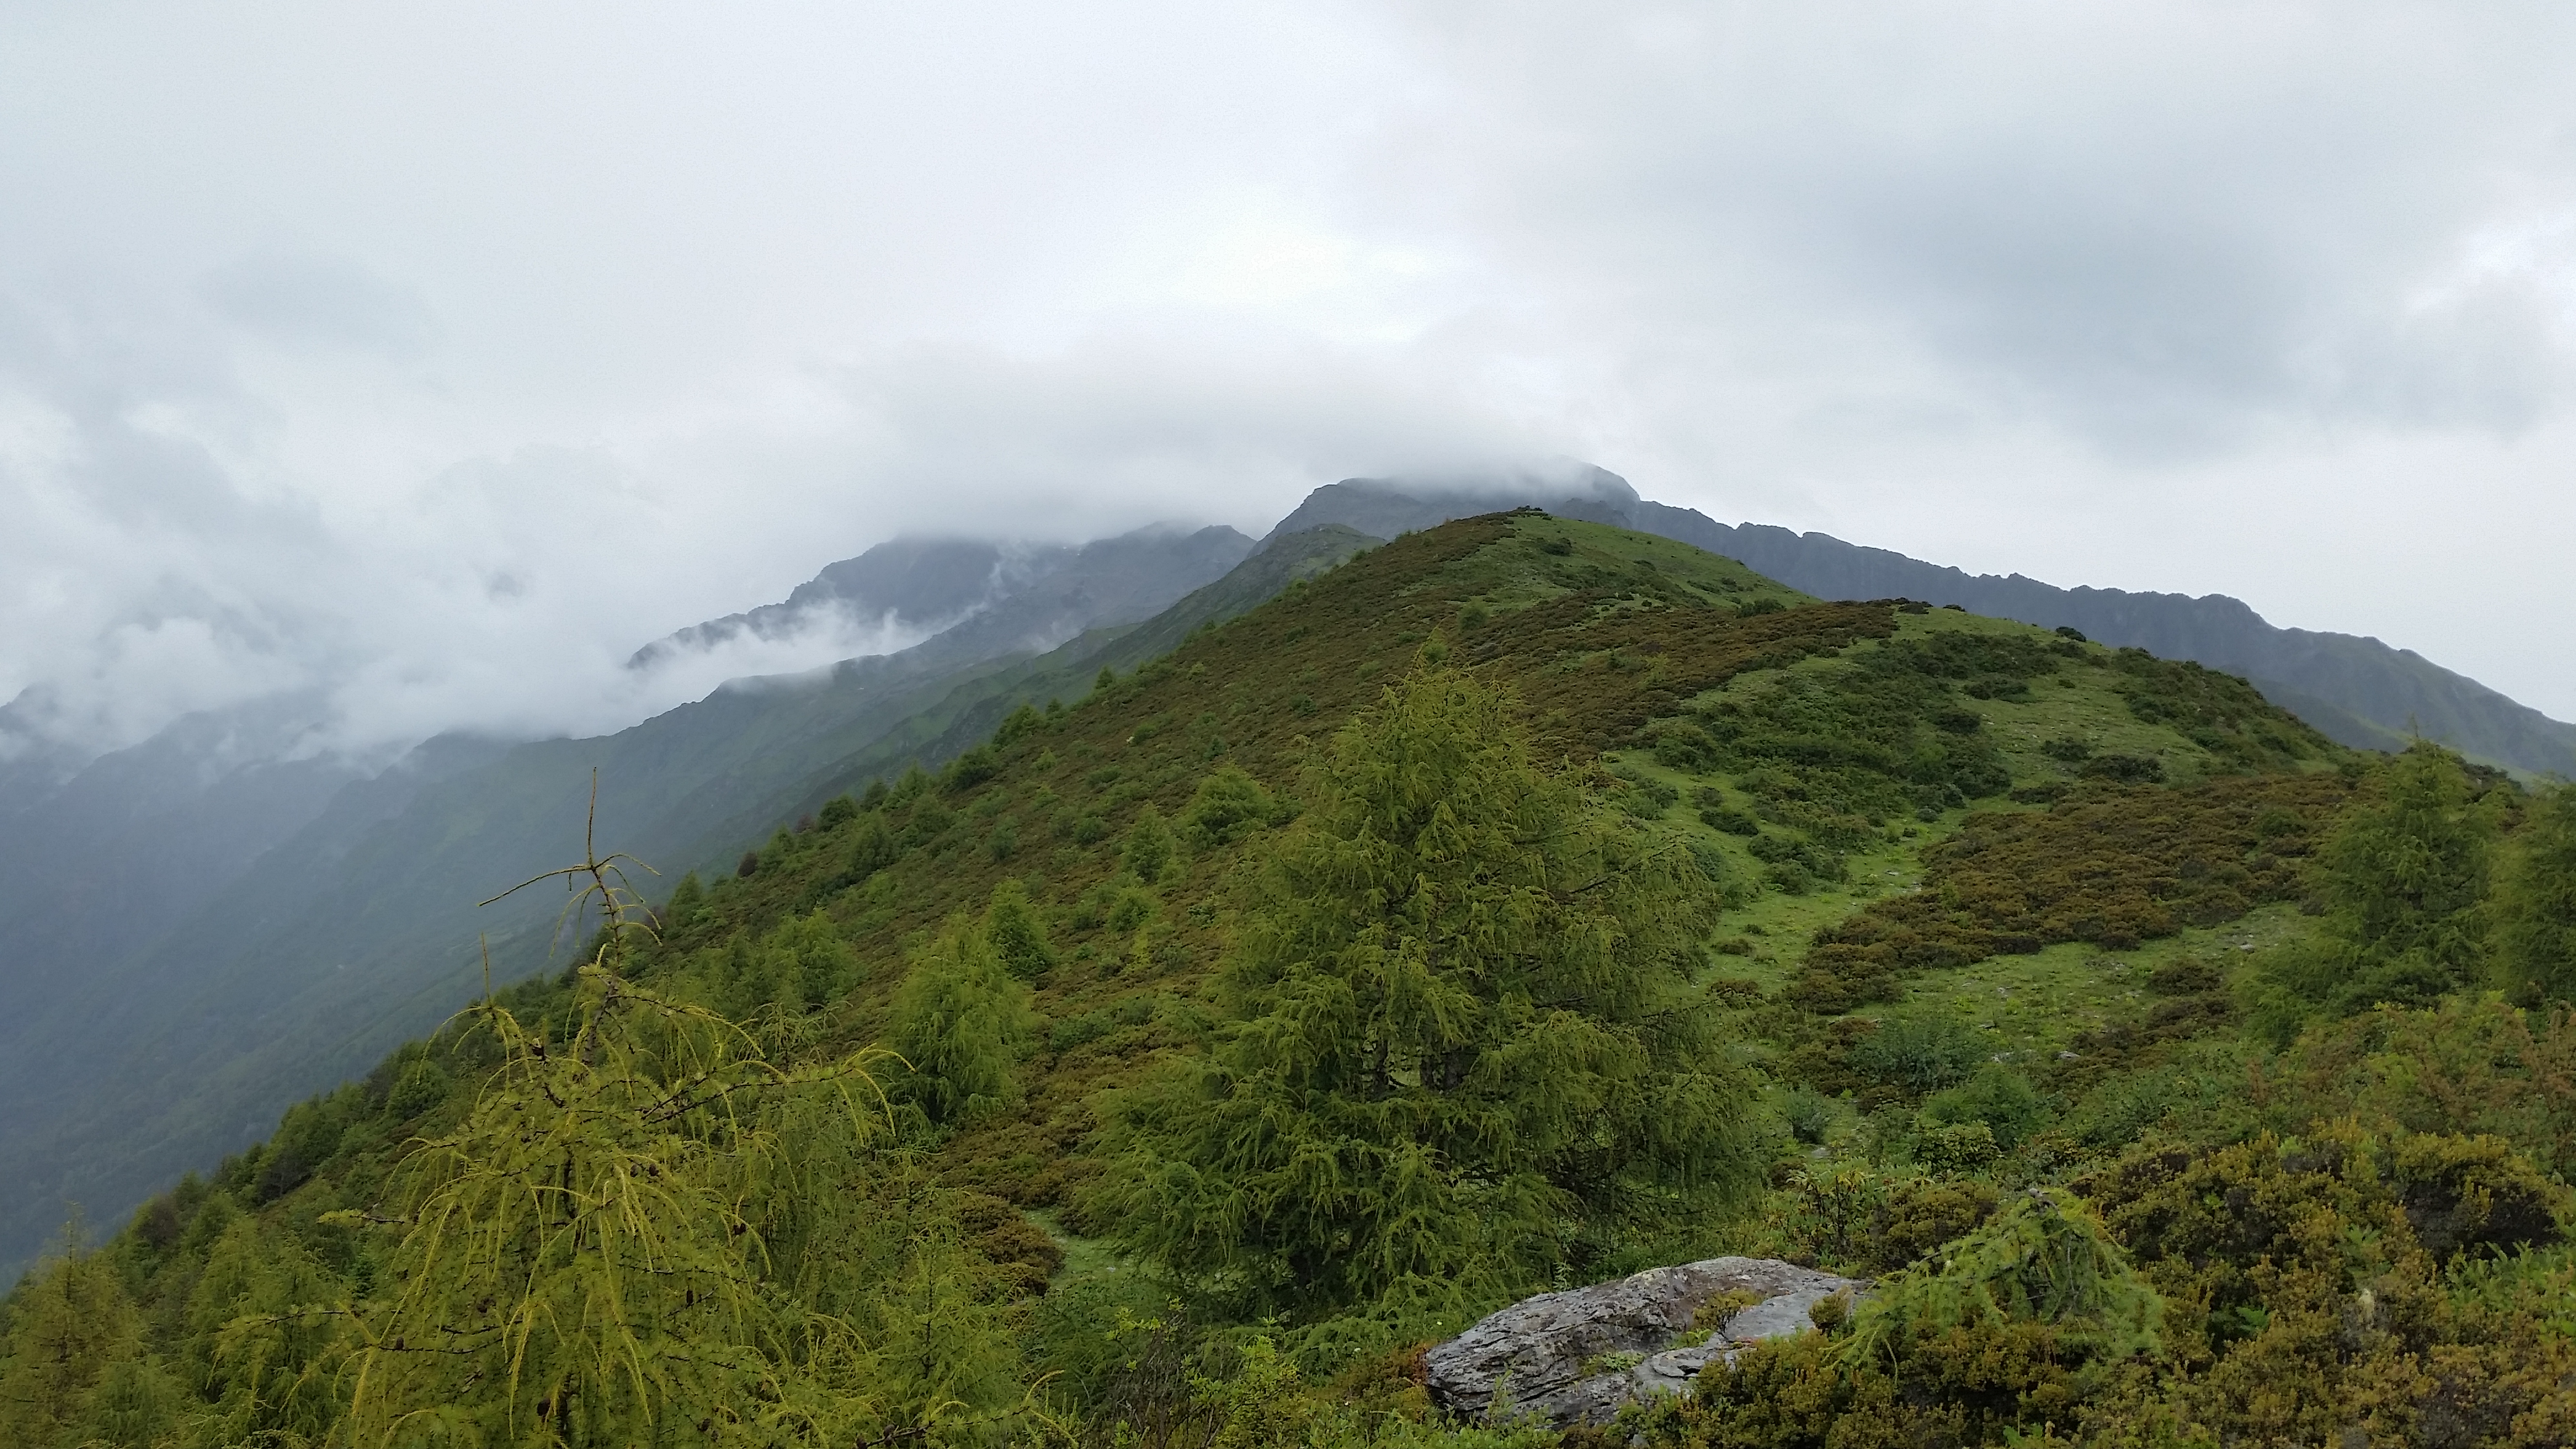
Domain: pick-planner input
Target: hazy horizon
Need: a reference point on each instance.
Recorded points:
(429, 364)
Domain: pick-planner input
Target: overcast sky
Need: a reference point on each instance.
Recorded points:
(436, 356)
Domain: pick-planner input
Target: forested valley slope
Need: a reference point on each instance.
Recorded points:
(1515, 905)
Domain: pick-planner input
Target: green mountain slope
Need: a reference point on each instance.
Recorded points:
(361, 931)
(2013, 940)
(2359, 691)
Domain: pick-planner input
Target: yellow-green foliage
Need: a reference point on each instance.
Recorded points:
(2408, 862)
(2305, 1284)
(2021, 1323)
(269, 1340)
(2043, 1258)
(1017, 933)
(959, 1024)
(2405, 872)
(2469, 1064)
(583, 1261)
(1853, 1220)
(72, 1357)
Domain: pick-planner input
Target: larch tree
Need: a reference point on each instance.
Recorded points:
(959, 1022)
(2535, 908)
(1461, 1038)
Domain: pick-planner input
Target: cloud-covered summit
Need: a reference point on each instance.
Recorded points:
(431, 363)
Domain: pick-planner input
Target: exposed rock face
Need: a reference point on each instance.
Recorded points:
(1545, 1355)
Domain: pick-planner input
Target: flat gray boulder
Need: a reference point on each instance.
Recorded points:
(1576, 1357)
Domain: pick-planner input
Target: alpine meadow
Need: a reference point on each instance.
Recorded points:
(1183, 1040)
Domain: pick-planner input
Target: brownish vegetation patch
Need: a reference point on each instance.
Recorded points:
(2116, 866)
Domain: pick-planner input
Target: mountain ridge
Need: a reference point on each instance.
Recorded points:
(2363, 693)
(720, 773)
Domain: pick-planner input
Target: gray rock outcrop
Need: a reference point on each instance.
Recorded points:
(1576, 1357)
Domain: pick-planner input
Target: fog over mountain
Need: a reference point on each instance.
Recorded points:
(431, 363)
(225, 906)
(390, 399)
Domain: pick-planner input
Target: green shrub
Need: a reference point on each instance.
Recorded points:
(1011, 923)
(1131, 909)
(2124, 769)
(1641, 794)
(1998, 1099)
(1730, 821)
(1809, 1113)
(2043, 1259)
(421, 1087)
(1958, 1147)
(1914, 1055)
(1227, 805)
(1150, 850)
(2465, 1065)
(970, 769)
(873, 847)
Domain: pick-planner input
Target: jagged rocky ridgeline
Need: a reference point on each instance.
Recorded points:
(1577, 1357)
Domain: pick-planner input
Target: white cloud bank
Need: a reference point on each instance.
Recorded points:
(438, 359)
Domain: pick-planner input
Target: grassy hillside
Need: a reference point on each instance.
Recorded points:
(2010, 940)
(361, 931)
(2359, 691)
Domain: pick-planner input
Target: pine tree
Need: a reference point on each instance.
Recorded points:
(687, 899)
(269, 1334)
(873, 847)
(1460, 1035)
(578, 1263)
(739, 980)
(2536, 902)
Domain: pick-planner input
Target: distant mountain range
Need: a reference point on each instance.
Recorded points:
(189, 911)
(2358, 691)
(974, 598)
(219, 908)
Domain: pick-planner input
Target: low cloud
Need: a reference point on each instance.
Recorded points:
(430, 369)
(307, 300)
